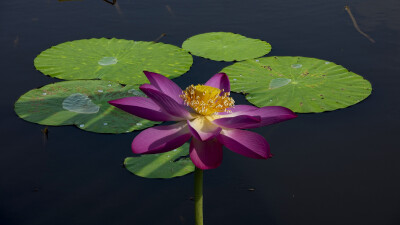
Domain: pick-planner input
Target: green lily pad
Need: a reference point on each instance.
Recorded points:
(118, 60)
(225, 46)
(171, 164)
(302, 84)
(82, 103)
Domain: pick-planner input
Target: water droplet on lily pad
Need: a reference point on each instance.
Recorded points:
(82, 125)
(139, 124)
(135, 92)
(106, 61)
(105, 124)
(80, 103)
(279, 82)
(296, 66)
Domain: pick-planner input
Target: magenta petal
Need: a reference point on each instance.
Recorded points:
(246, 143)
(165, 85)
(270, 115)
(161, 138)
(203, 129)
(165, 102)
(239, 110)
(238, 121)
(205, 154)
(142, 107)
(243, 108)
(219, 80)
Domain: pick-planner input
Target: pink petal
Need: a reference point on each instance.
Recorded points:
(203, 129)
(206, 154)
(246, 143)
(165, 102)
(239, 110)
(221, 81)
(270, 115)
(238, 121)
(143, 107)
(165, 85)
(161, 138)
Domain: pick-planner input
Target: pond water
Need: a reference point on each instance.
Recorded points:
(338, 167)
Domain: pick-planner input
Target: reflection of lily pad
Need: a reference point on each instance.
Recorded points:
(302, 84)
(117, 60)
(225, 46)
(82, 103)
(165, 165)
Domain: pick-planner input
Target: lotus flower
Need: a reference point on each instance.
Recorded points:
(204, 112)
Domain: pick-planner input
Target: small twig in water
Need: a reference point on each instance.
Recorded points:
(16, 41)
(347, 8)
(170, 10)
(45, 132)
(118, 8)
(161, 36)
(112, 3)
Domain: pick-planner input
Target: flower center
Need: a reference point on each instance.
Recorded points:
(207, 100)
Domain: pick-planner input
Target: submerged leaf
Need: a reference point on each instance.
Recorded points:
(302, 84)
(171, 164)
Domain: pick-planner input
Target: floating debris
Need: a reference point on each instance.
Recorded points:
(347, 8)
(170, 10)
(16, 41)
(161, 36)
(110, 2)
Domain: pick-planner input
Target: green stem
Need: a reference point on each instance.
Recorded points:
(198, 196)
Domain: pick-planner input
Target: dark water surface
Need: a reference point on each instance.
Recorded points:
(339, 167)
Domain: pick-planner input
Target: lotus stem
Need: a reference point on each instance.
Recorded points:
(198, 196)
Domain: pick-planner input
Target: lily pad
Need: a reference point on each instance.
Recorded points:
(82, 103)
(171, 164)
(302, 84)
(225, 46)
(118, 60)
